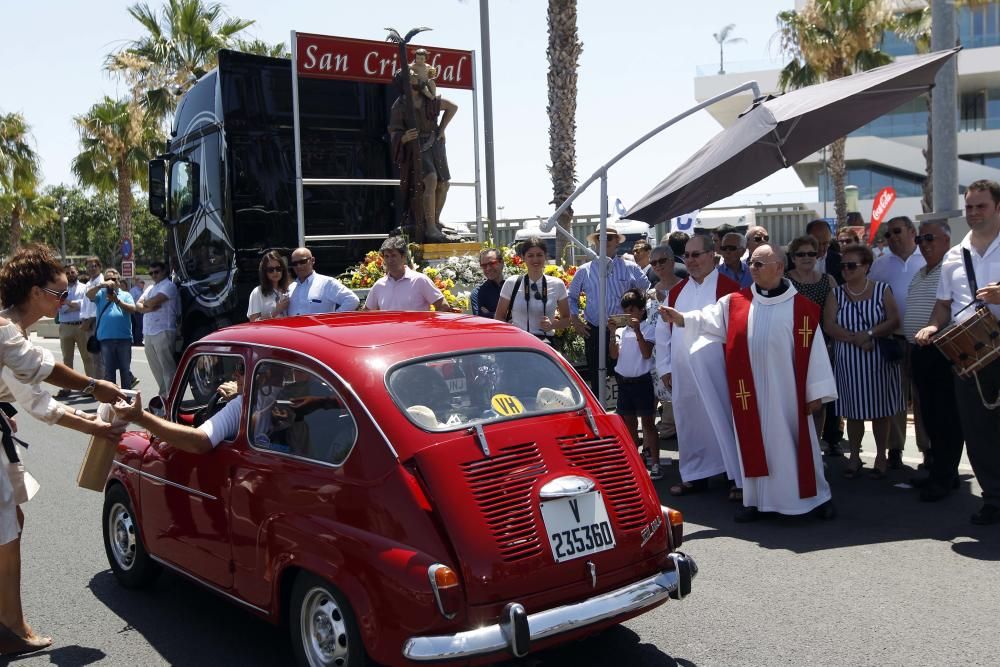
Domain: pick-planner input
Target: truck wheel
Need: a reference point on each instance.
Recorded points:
(322, 626)
(126, 553)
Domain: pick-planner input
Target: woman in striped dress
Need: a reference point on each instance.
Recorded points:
(856, 313)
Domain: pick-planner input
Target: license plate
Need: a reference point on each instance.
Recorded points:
(577, 526)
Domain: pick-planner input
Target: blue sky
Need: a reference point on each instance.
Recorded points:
(637, 68)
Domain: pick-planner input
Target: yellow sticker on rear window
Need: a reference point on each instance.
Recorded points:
(506, 405)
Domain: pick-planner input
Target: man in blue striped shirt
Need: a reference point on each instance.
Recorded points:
(622, 275)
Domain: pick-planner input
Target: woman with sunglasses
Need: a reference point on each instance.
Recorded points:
(857, 313)
(270, 299)
(536, 302)
(661, 260)
(33, 285)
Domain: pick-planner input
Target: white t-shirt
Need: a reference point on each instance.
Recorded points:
(163, 318)
(954, 283)
(88, 309)
(264, 304)
(523, 312)
(224, 424)
(630, 363)
(414, 291)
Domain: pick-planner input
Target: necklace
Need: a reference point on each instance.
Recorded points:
(856, 294)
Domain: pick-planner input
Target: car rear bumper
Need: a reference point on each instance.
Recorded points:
(517, 629)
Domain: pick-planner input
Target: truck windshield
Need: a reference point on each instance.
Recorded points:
(452, 392)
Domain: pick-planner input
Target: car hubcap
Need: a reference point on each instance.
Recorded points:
(121, 535)
(324, 632)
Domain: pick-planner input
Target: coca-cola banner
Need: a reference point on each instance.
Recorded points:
(880, 209)
(326, 57)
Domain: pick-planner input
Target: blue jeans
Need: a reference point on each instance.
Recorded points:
(117, 355)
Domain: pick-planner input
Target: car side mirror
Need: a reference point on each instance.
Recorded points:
(158, 188)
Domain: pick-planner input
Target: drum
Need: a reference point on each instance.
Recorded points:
(972, 344)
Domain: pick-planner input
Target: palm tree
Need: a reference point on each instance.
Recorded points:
(564, 57)
(117, 139)
(830, 39)
(19, 175)
(180, 45)
(722, 38)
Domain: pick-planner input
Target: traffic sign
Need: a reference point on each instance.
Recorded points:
(128, 269)
(127, 248)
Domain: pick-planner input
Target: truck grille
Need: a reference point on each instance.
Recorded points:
(604, 459)
(501, 486)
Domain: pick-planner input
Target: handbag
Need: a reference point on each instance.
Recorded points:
(94, 345)
(891, 349)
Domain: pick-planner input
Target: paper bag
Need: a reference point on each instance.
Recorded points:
(97, 461)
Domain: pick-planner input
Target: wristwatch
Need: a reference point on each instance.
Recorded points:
(871, 333)
(89, 389)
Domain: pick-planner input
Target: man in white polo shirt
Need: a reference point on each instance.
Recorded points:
(402, 288)
(315, 293)
(159, 305)
(980, 249)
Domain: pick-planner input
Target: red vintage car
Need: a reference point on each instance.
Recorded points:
(405, 487)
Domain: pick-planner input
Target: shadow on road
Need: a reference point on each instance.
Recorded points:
(868, 512)
(189, 625)
(617, 645)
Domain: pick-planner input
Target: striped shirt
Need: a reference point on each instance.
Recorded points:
(622, 275)
(920, 301)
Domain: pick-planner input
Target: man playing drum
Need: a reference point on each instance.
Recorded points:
(980, 250)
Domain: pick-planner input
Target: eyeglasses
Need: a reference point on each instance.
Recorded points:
(807, 254)
(894, 230)
(486, 265)
(59, 295)
(534, 290)
(300, 262)
(275, 269)
(729, 248)
(695, 254)
(850, 266)
(153, 273)
(760, 265)
(925, 238)
(658, 262)
(764, 238)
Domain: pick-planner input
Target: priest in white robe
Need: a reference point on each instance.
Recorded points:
(778, 374)
(706, 444)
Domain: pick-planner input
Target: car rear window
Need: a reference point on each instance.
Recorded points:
(447, 393)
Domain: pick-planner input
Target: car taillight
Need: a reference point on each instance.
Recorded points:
(675, 524)
(447, 592)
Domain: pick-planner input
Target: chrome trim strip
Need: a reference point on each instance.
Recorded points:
(161, 480)
(332, 372)
(212, 587)
(566, 486)
(490, 639)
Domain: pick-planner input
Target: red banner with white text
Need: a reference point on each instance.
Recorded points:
(327, 57)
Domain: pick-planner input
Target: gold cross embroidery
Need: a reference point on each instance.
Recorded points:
(805, 331)
(743, 395)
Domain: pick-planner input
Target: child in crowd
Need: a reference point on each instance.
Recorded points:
(632, 346)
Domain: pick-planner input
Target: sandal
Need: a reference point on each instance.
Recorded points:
(853, 471)
(13, 644)
(689, 488)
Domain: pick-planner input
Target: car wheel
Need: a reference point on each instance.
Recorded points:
(322, 626)
(126, 553)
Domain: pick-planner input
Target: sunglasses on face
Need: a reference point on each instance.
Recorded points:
(658, 262)
(486, 265)
(893, 231)
(695, 254)
(762, 238)
(925, 238)
(59, 295)
(729, 248)
(275, 269)
(760, 265)
(300, 262)
(811, 253)
(851, 266)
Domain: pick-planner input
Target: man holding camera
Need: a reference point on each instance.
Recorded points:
(114, 327)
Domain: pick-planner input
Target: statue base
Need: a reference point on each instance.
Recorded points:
(431, 251)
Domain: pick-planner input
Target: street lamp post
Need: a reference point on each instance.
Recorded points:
(62, 228)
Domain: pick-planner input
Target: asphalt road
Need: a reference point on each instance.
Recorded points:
(891, 581)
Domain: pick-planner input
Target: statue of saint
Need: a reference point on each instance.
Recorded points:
(416, 126)
(425, 74)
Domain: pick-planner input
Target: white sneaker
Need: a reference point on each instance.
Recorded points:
(654, 472)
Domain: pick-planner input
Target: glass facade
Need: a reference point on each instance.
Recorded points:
(977, 27)
(988, 159)
(870, 180)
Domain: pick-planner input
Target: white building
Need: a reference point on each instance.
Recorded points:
(889, 150)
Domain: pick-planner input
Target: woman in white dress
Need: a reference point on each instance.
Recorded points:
(661, 259)
(270, 299)
(537, 303)
(32, 284)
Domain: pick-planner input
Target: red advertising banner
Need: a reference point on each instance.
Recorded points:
(880, 208)
(326, 57)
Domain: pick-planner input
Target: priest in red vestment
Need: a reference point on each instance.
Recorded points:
(778, 374)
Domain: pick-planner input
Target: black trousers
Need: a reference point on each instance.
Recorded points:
(981, 427)
(591, 350)
(934, 380)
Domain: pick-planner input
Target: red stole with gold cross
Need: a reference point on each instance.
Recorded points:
(743, 394)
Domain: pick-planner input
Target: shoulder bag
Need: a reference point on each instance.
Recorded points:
(94, 345)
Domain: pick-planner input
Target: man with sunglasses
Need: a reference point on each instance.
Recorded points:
(897, 267)
(316, 293)
(696, 377)
(755, 236)
(71, 334)
(160, 305)
(827, 259)
(88, 311)
(732, 248)
(486, 296)
(777, 374)
(958, 290)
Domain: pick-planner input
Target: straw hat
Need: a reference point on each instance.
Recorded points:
(549, 399)
(595, 238)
